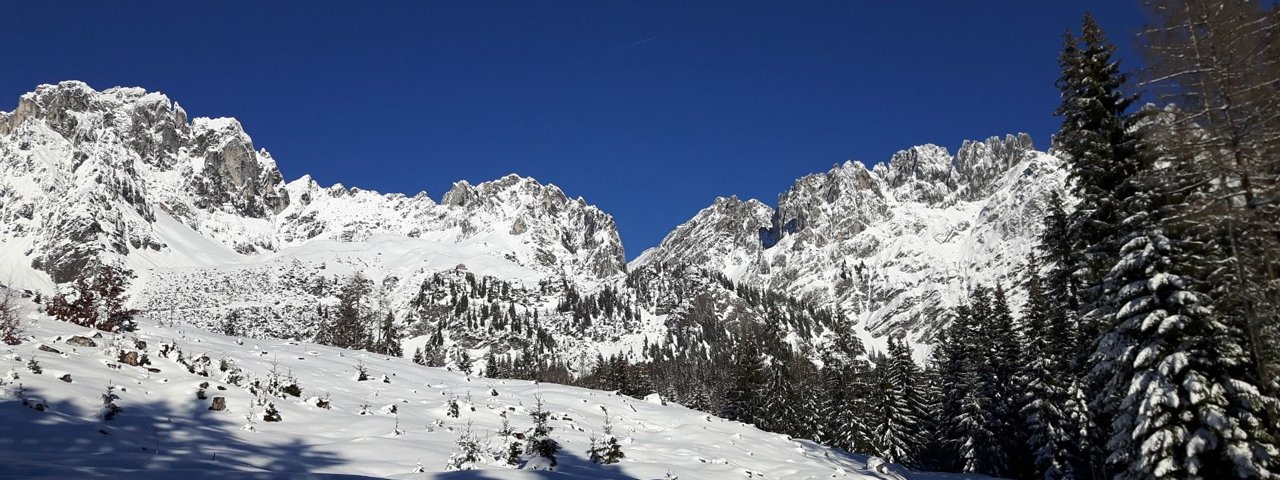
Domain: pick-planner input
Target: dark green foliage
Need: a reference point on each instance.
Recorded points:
(538, 441)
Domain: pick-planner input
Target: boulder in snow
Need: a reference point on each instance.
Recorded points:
(80, 341)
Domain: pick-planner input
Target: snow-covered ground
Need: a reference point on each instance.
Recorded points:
(164, 430)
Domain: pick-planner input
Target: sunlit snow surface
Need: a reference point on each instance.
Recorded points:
(165, 431)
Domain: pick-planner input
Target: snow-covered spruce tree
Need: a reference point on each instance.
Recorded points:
(979, 396)
(109, 409)
(745, 383)
(270, 414)
(895, 406)
(844, 392)
(1177, 375)
(778, 404)
(1095, 142)
(606, 450)
(1217, 62)
(451, 407)
(538, 442)
(466, 456)
(1005, 341)
(931, 452)
(948, 360)
(350, 326)
(1048, 410)
(807, 388)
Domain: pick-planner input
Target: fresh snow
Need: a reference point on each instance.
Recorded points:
(164, 431)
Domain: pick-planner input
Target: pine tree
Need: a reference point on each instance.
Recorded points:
(109, 409)
(608, 450)
(467, 454)
(981, 425)
(349, 329)
(538, 442)
(1045, 378)
(949, 360)
(777, 404)
(896, 406)
(1177, 377)
(388, 338)
(1099, 151)
(1217, 62)
(746, 382)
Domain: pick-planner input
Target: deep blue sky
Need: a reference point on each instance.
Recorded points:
(648, 109)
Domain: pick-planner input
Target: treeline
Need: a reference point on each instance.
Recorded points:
(1149, 344)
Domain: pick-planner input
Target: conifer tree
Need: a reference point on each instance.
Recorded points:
(349, 329)
(1217, 62)
(538, 442)
(467, 454)
(778, 402)
(1177, 378)
(1099, 151)
(895, 405)
(745, 383)
(1044, 378)
(388, 337)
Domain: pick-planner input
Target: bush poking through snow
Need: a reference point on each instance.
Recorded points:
(467, 456)
(109, 408)
(271, 414)
(10, 319)
(539, 444)
(34, 367)
(452, 407)
(608, 450)
(362, 373)
(97, 301)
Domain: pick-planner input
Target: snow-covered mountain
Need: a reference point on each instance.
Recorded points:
(891, 246)
(122, 175)
(218, 238)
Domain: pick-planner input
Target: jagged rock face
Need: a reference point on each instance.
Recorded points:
(893, 246)
(513, 218)
(90, 176)
(234, 174)
(85, 172)
(568, 234)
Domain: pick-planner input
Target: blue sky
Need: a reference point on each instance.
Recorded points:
(647, 109)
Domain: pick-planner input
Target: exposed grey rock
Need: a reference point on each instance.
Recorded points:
(892, 246)
(80, 341)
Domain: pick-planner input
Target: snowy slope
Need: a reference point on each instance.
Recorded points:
(165, 428)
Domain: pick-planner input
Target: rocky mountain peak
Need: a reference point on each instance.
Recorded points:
(111, 166)
(980, 164)
(911, 224)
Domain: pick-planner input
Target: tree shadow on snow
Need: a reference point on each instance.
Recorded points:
(570, 466)
(148, 438)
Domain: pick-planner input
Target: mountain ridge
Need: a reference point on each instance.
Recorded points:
(121, 175)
